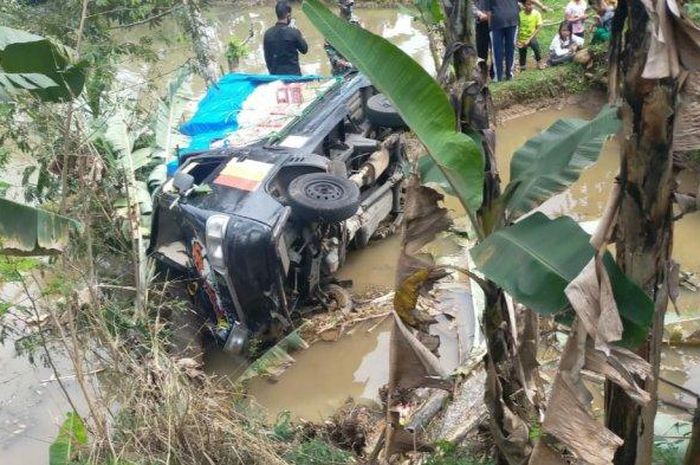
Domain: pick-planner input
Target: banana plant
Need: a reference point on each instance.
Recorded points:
(546, 165)
(39, 65)
(419, 99)
(25, 230)
(49, 71)
(535, 260)
(120, 139)
(136, 206)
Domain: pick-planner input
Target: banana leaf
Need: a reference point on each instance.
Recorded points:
(170, 113)
(554, 159)
(535, 259)
(71, 439)
(419, 99)
(24, 53)
(11, 83)
(26, 230)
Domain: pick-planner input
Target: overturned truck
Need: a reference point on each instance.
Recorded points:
(281, 179)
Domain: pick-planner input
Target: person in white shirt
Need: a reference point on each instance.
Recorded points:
(564, 45)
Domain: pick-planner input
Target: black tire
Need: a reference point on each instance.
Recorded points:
(324, 197)
(381, 112)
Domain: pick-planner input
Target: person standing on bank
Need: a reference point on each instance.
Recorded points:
(575, 13)
(503, 21)
(283, 43)
(529, 25)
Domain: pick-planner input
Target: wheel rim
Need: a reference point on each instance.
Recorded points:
(323, 190)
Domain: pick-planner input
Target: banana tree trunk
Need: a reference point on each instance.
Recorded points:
(508, 393)
(204, 41)
(645, 226)
(459, 36)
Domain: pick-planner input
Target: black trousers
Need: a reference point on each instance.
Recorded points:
(483, 43)
(522, 52)
(483, 40)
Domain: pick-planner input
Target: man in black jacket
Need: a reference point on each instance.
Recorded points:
(282, 43)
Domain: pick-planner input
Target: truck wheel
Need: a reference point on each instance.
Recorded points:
(381, 111)
(324, 197)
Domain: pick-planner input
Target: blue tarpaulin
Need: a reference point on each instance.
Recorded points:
(217, 112)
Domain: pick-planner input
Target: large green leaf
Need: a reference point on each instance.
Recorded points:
(554, 159)
(535, 259)
(26, 230)
(423, 105)
(71, 436)
(25, 53)
(13, 82)
(170, 111)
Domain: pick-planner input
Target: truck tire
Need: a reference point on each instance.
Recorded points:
(323, 197)
(381, 111)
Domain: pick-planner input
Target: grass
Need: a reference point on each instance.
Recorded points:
(316, 452)
(531, 86)
(449, 454)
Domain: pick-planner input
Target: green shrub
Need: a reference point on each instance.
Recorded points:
(236, 50)
(317, 452)
(448, 453)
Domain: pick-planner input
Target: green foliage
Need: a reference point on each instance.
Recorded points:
(422, 103)
(26, 230)
(283, 430)
(317, 452)
(671, 438)
(535, 259)
(692, 9)
(538, 85)
(430, 11)
(447, 453)
(43, 66)
(169, 115)
(668, 454)
(72, 436)
(235, 50)
(553, 160)
(57, 285)
(12, 267)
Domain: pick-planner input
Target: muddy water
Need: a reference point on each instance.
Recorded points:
(32, 404)
(373, 269)
(585, 200)
(327, 373)
(235, 22)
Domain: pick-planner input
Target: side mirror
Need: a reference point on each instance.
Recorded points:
(182, 182)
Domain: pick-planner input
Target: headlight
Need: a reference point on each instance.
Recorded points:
(216, 232)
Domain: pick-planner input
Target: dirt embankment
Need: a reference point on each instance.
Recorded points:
(542, 88)
(588, 99)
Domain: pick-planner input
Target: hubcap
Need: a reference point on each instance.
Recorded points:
(323, 190)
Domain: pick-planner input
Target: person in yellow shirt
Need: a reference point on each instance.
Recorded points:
(529, 24)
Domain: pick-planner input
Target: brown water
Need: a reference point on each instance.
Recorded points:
(235, 22)
(32, 405)
(327, 373)
(585, 200)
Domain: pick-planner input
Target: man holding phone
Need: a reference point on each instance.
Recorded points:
(282, 43)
